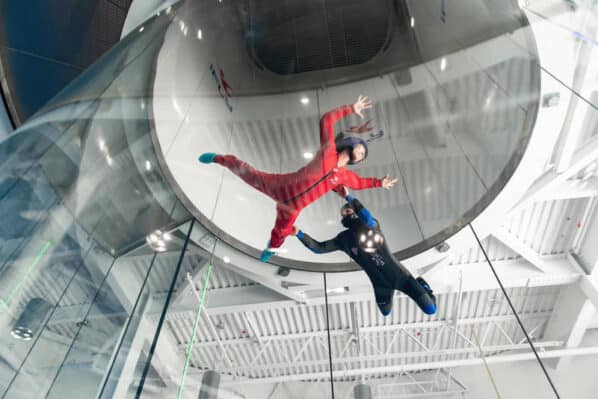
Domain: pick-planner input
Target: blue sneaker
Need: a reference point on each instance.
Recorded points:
(430, 308)
(266, 255)
(207, 157)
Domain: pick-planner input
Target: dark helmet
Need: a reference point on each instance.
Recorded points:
(346, 206)
(349, 142)
(348, 220)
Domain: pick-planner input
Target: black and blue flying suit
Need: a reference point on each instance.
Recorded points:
(364, 242)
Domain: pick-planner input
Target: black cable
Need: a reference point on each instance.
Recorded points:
(120, 343)
(150, 354)
(328, 331)
(529, 341)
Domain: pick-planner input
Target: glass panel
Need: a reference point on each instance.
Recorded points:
(84, 205)
(251, 336)
(450, 115)
(155, 273)
(96, 300)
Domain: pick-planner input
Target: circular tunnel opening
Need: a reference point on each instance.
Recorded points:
(454, 105)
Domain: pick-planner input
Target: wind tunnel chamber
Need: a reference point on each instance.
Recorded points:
(453, 110)
(102, 193)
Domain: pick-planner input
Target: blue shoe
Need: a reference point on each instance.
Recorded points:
(207, 157)
(266, 255)
(430, 308)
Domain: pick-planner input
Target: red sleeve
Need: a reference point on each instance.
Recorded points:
(329, 119)
(356, 182)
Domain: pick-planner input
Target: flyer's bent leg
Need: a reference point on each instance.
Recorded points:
(283, 226)
(421, 293)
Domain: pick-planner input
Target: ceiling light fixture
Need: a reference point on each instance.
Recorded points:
(157, 240)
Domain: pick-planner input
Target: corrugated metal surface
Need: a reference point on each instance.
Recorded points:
(292, 340)
(548, 227)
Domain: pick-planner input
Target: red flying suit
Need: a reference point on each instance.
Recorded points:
(294, 191)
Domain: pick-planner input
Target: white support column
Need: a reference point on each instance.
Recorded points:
(578, 109)
(570, 318)
(589, 286)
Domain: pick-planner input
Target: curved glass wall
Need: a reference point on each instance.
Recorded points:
(83, 203)
(452, 112)
(129, 270)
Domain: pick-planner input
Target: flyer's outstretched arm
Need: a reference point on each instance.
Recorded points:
(314, 245)
(331, 117)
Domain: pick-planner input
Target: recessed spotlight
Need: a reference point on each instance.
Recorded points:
(304, 100)
(308, 155)
(443, 64)
(141, 29)
(101, 144)
(226, 259)
(109, 160)
(148, 165)
(199, 34)
(412, 22)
